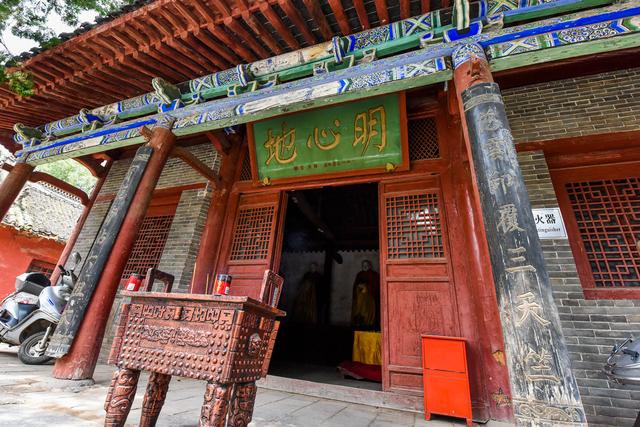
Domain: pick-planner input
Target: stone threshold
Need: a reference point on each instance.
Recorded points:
(380, 399)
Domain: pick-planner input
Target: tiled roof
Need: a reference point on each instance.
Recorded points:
(41, 210)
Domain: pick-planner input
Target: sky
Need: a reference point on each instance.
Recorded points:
(18, 45)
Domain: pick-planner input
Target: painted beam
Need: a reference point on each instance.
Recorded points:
(402, 72)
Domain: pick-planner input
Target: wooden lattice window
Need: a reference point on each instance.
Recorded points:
(252, 233)
(245, 172)
(601, 209)
(149, 245)
(423, 139)
(607, 214)
(413, 226)
(43, 267)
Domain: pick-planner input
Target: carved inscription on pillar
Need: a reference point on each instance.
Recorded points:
(544, 391)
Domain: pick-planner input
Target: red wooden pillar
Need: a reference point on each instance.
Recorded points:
(211, 236)
(479, 317)
(73, 238)
(543, 388)
(12, 185)
(81, 360)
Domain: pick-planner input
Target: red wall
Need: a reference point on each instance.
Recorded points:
(17, 250)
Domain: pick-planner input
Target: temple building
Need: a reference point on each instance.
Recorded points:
(34, 231)
(467, 169)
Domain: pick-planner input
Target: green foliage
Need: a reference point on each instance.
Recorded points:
(72, 172)
(28, 19)
(18, 81)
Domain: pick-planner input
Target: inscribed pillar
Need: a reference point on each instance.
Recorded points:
(544, 390)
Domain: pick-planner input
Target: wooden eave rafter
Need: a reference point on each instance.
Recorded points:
(297, 19)
(177, 40)
(258, 28)
(316, 13)
(279, 26)
(362, 14)
(341, 17)
(383, 11)
(405, 9)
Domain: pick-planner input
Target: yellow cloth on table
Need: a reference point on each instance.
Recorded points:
(367, 347)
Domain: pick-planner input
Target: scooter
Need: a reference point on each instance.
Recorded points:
(29, 316)
(623, 365)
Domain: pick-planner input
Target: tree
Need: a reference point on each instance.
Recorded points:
(28, 19)
(71, 172)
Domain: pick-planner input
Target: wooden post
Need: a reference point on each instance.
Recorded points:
(97, 257)
(80, 361)
(477, 306)
(12, 185)
(204, 270)
(543, 388)
(73, 238)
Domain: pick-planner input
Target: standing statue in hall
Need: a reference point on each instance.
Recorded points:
(365, 307)
(306, 309)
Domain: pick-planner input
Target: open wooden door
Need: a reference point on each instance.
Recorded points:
(418, 295)
(253, 243)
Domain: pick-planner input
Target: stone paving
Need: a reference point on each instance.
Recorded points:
(29, 397)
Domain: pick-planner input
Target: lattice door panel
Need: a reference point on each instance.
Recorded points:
(416, 281)
(149, 245)
(252, 234)
(607, 213)
(413, 228)
(253, 244)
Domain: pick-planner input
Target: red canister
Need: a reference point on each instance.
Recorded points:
(134, 282)
(223, 285)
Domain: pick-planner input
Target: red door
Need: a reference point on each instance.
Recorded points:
(253, 245)
(417, 285)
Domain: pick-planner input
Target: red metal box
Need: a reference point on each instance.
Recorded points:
(445, 377)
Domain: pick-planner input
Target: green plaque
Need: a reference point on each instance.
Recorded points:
(360, 136)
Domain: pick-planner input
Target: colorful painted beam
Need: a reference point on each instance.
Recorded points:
(369, 77)
(387, 40)
(384, 76)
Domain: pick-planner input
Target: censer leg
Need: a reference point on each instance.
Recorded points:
(120, 396)
(214, 408)
(242, 401)
(154, 398)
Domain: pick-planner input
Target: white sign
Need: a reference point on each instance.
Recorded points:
(549, 223)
